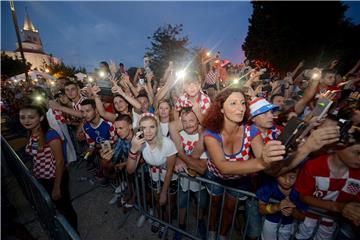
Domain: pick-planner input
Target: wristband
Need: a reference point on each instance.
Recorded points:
(268, 208)
(135, 154)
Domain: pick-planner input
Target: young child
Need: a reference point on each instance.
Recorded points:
(330, 182)
(279, 216)
(193, 98)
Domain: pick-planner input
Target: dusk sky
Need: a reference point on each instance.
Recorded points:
(85, 33)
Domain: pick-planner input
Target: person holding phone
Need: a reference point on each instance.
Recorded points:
(229, 140)
(97, 132)
(159, 154)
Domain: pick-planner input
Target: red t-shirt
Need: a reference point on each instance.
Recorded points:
(315, 179)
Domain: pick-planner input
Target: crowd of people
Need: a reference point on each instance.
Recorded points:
(293, 139)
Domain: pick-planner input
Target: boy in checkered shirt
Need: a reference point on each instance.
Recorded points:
(193, 98)
(330, 182)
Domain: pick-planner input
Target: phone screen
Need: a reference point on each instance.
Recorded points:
(322, 107)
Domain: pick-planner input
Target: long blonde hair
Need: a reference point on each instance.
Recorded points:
(159, 136)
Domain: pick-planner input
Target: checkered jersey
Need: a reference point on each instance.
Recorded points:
(272, 133)
(58, 116)
(188, 141)
(316, 179)
(76, 106)
(103, 131)
(184, 102)
(242, 155)
(212, 77)
(43, 160)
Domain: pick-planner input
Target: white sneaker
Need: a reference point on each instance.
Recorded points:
(140, 221)
(114, 199)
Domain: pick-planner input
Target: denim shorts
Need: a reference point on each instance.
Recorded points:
(243, 183)
(202, 195)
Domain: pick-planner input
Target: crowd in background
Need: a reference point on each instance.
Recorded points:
(232, 124)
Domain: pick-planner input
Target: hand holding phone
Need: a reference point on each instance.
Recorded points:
(105, 145)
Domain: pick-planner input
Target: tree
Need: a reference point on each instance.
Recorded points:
(62, 70)
(11, 67)
(284, 33)
(166, 45)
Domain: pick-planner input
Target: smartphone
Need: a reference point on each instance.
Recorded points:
(322, 107)
(142, 81)
(139, 129)
(344, 125)
(267, 88)
(291, 132)
(105, 145)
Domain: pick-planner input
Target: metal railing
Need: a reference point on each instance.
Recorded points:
(53, 222)
(241, 220)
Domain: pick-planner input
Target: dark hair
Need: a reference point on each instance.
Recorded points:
(113, 105)
(275, 95)
(106, 65)
(143, 93)
(89, 102)
(70, 82)
(44, 124)
(214, 118)
(124, 117)
(121, 65)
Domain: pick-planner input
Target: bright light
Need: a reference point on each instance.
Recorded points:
(47, 70)
(236, 81)
(90, 79)
(38, 98)
(16, 81)
(101, 74)
(35, 80)
(208, 54)
(52, 83)
(315, 75)
(180, 74)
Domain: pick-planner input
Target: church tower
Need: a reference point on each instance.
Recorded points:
(30, 37)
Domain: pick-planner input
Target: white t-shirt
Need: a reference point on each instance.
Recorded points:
(164, 128)
(156, 158)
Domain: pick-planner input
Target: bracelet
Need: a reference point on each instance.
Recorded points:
(135, 154)
(268, 208)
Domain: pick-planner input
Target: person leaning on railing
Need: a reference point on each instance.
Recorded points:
(229, 141)
(46, 148)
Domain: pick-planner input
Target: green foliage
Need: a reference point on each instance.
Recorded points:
(62, 70)
(11, 67)
(284, 33)
(166, 45)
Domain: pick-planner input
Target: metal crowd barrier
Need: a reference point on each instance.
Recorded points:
(52, 221)
(241, 221)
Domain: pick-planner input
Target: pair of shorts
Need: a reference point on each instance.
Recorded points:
(243, 183)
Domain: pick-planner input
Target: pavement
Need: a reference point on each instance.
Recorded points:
(97, 219)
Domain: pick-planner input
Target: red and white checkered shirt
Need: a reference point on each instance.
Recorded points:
(212, 77)
(76, 106)
(315, 179)
(43, 160)
(184, 102)
(271, 133)
(242, 155)
(188, 141)
(59, 116)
